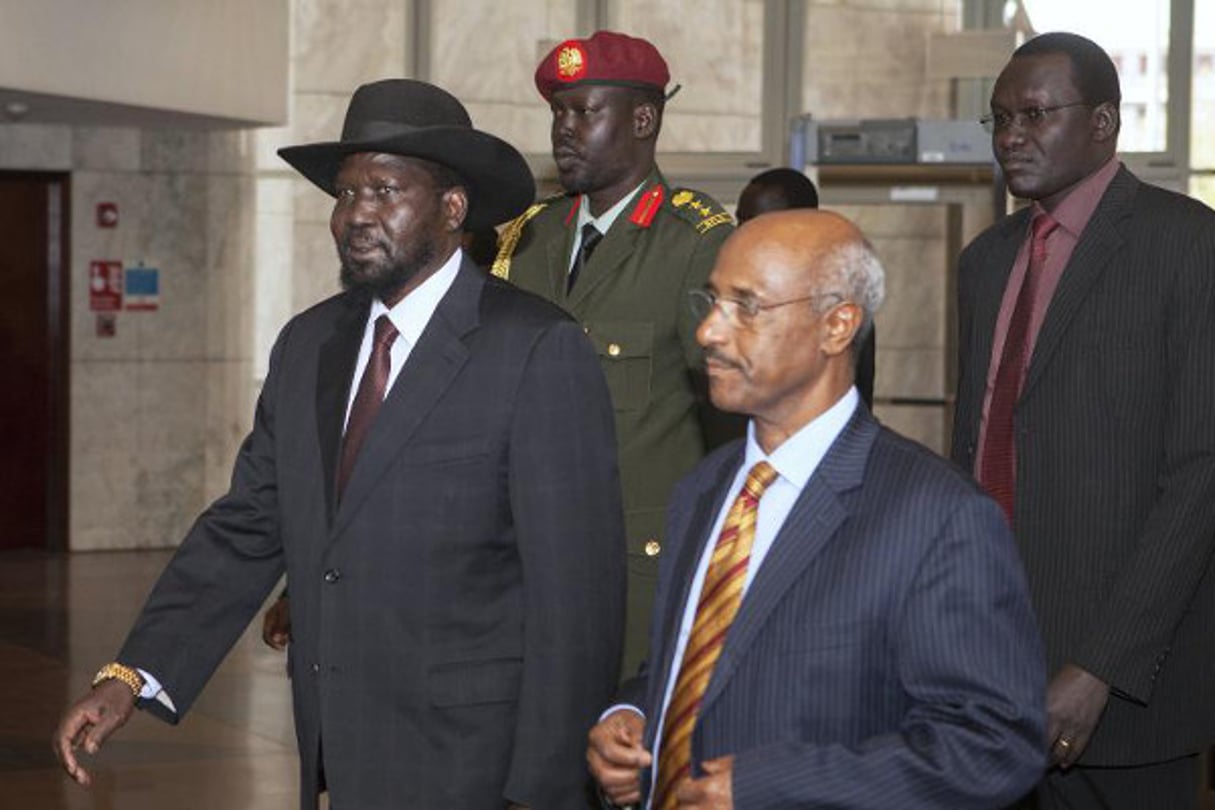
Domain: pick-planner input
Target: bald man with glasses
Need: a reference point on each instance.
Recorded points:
(842, 620)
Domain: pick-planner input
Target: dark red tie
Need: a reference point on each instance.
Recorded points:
(368, 399)
(998, 471)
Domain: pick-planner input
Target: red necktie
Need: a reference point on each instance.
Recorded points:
(720, 597)
(368, 399)
(998, 470)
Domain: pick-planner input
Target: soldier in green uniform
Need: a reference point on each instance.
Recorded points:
(619, 250)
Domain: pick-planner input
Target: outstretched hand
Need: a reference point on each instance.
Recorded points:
(89, 723)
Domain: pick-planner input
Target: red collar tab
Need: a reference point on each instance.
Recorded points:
(573, 211)
(647, 206)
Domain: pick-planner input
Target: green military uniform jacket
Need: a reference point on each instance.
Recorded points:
(632, 300)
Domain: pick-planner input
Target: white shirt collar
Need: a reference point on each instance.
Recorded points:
(414, 311)
(604, 221)
(799, 455)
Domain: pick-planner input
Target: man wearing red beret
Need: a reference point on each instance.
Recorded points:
(619, 249)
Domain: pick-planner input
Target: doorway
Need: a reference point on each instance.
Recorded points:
(33, 345)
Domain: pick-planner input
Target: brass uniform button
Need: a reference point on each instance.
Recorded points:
(613, 349)
(652, 547)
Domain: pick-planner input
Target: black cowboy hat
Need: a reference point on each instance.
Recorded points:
(415, 119)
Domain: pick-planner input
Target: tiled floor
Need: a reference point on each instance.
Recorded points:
(63, 616)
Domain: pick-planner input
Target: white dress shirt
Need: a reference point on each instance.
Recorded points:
(410, 316)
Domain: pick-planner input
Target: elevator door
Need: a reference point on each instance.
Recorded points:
(33, 395)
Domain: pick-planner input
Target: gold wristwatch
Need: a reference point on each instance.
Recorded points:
(120, 672)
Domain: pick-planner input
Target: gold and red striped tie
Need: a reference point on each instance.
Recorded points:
(720, 596)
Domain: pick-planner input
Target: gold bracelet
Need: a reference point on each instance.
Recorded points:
(115, 671)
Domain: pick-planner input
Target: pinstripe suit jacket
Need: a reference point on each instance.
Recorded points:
(457, 619)
(1115, 438)
(884, 655)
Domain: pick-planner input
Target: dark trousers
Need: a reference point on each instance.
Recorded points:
(1171, 785)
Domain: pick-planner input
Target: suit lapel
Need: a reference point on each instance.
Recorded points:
(434, 362)
(557, 251)
(335, 375)
(990, 290)
(1100, 242)
(810, 526)
(695, 536)
(618, 244)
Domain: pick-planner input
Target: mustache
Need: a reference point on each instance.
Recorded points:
(358, 238)
(1014, 157)
(566, 146)
(714, 355)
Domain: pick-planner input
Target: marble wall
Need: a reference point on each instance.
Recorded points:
(157, 410)
(242, 242)
(715, 52)
(911, 242)
(867, 58)
(494, 75)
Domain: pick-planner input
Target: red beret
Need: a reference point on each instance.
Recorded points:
(606, 57)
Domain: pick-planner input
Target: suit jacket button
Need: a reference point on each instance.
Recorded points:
(316, 668)
(613, 349)
(652, 548)
(332, 575)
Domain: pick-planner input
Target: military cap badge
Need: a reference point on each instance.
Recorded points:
(571, 62)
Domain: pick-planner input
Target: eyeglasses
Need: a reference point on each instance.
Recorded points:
(740, 312)
(1027, 117)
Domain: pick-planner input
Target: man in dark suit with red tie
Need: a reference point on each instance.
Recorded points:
(433, 463)
(1085, 393)
(842, 620)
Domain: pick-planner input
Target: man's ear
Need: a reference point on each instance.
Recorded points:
(842, 322)
(1106, 122)
(455, 208)
(645, 120)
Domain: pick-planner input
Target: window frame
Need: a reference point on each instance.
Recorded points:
(1169, 167)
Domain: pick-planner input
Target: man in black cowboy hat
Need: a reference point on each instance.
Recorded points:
(433, 463)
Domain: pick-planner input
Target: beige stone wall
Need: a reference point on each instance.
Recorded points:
(912, 244)
(486, 52)
(157, 411)
(866, 59)
(715, 51)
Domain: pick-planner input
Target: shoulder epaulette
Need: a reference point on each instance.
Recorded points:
(703, 212)
(647, 206)
(511, 234)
